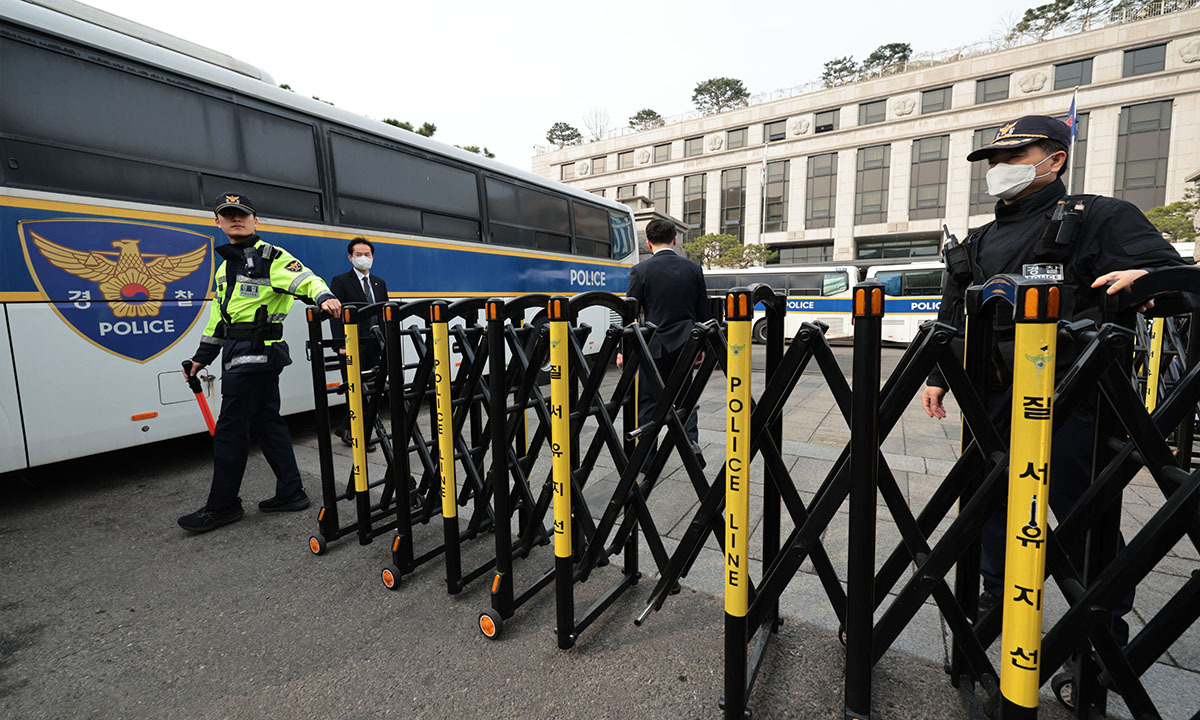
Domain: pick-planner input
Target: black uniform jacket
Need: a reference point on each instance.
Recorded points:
(1114, 235)
(670, 290)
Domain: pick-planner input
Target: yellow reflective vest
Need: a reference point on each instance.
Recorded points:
(256, 285)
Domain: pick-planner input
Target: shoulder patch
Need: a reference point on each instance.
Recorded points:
(293, 266)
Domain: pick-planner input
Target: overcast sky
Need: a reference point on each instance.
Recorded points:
(500, 74)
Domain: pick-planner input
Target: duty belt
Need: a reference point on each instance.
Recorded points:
(247, 330)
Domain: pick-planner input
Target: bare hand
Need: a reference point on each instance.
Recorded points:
(699, 359)
(333, 306)
(620, 360)
(1121, 280)
(931, 400)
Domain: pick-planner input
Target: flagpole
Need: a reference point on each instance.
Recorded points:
(1074, 132)
(762, 190)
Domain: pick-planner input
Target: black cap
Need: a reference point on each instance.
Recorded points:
(1022, 132)
(234, 200)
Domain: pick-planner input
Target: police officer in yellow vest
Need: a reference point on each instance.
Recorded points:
(256, 286)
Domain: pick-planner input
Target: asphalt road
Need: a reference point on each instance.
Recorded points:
(111, 611)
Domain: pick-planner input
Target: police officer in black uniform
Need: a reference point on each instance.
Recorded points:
(1112, 242)
(256, 285)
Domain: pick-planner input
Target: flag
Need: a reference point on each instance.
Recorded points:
(1073, 118)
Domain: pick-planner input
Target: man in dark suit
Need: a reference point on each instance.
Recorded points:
(670, 290)
(359, 286)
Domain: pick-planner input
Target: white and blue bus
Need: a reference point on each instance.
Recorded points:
(822, 293)
(114, 142)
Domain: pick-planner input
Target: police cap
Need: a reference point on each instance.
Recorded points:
(1024, 131)
(234, 200)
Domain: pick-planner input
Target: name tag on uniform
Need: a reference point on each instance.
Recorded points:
(1052, 272)
(247, 291)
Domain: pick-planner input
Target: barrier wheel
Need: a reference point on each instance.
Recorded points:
(316, 543)
(759, 333)
(1063, 685)
(490, 624)
(390, 576)
(842, 635)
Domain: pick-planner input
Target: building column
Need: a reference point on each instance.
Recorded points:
(712, 202)
(797, 193)
(958, 183)
(843, 225)
(1101, 176)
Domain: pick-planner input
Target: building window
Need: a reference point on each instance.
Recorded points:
(872, 112)
(821, 192)
(1145, 60)
(1079, 157)
(662, 153)
(694, 198)
(1143, 133)
(1073, 74)
(599, 164)
(981, 202)
(733, 202)
(871, 194)
(801, 254)
(735, 139)
(625, 160)
(776, 197)
(930, 163)
(599, 192)
(626, 191)
(878, 248)
(826, 121)
(660, 195)
(774, 131)
(567, 171)
(693, 147)
(991, 89)
(935, 100)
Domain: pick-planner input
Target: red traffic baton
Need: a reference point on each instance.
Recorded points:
(194, 383)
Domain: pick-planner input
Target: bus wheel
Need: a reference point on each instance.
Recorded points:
(759, 333)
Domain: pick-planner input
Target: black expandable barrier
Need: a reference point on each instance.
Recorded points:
(488, 434)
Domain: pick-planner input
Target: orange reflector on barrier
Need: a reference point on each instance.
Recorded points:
(396, 544)
(321, 515)
(729, 310)
(387, 313)
(144, 416)
(744, 304)
(877, 301)
(860, 302)
(1052, 303)
(331, 385)
(496, 584)
(1030, 309)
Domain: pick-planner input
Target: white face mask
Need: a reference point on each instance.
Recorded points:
(1007, 181)
(362, 262)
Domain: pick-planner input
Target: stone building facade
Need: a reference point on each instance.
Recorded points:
(874, 168)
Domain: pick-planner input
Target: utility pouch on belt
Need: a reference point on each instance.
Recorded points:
(258, 337)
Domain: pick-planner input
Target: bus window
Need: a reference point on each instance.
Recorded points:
(834, 283)
(622, 235)
(526, 217)
(804, 284)
(898, 283)
(591, 231)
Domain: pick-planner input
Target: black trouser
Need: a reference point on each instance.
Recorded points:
(665, 364)
(1070, 476)
(250, 402)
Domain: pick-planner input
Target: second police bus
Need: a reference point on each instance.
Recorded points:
(116, 139)
(822, 293)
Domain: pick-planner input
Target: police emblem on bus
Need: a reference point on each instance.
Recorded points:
(132, 289)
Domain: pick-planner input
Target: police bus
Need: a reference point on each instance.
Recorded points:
(822, 293)
(115, 140)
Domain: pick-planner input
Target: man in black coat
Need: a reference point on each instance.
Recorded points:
(670, 290)
(359, 285)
